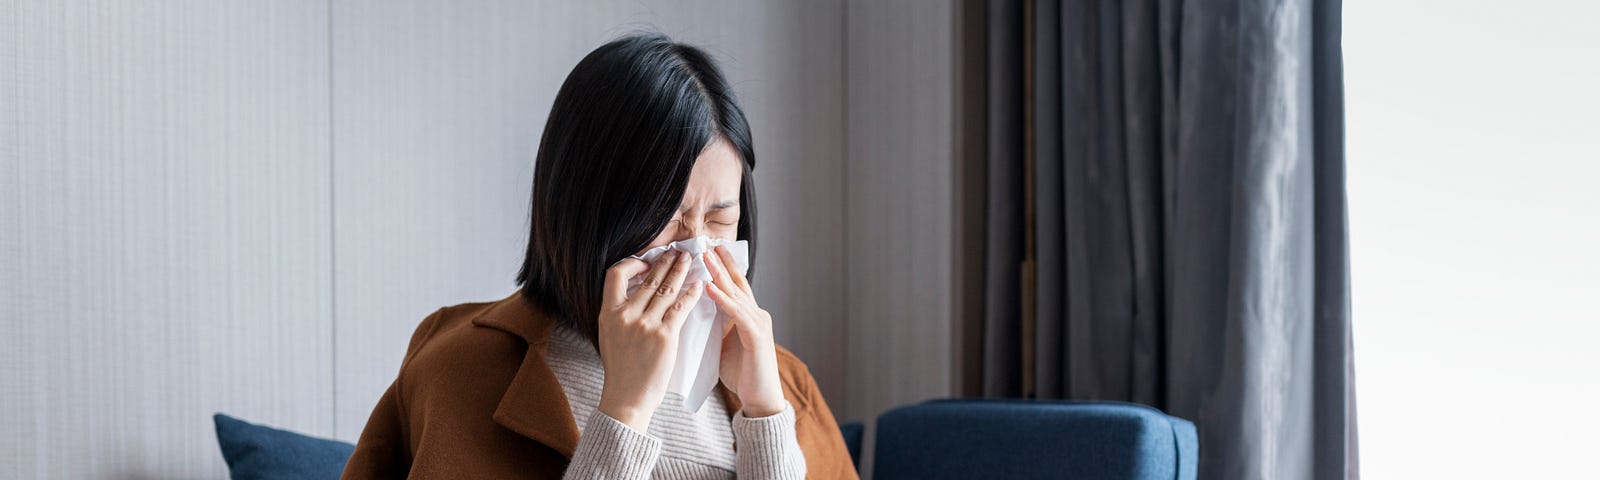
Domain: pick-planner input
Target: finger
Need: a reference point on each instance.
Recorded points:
(738, 278)
(667, 291)
(679, 311)
(658, 274)
(719, 274)
(725, 302)
(617, 277)
(738, 317)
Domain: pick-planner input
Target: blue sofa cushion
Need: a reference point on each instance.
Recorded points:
(1033, 439)
(852, 440)
(259, 452)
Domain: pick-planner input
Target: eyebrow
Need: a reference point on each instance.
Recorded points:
(725, 204)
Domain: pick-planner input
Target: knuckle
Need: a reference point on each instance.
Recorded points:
(664, 290)
(624, 318)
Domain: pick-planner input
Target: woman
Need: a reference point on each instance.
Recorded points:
(645, 145)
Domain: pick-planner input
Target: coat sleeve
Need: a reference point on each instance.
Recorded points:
(384, 449)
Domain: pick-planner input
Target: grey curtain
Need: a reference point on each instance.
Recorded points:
(1165, 221)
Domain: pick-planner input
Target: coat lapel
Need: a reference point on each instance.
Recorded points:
(533, 405)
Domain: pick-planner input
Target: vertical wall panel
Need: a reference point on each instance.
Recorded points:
(437, 110)
(900, 191)
(164, 241)
(247, 207)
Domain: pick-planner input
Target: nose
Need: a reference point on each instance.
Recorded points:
(687, 229)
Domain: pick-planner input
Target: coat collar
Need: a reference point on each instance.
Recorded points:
(534, 405)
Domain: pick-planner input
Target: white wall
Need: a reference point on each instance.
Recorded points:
(900, 207)
(164, 232)
(1473, 167)
(247, 206)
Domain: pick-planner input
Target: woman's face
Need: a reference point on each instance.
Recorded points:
(710, 204)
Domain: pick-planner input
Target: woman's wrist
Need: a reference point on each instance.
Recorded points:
(759, 411)
(635, 417)
(763, 405)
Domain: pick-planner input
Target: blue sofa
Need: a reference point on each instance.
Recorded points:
(932, 440)
(1033, 439)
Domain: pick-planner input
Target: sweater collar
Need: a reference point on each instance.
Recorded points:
(534, 405)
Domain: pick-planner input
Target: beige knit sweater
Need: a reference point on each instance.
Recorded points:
(679, 444)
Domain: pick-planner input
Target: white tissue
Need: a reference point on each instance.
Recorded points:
(700, 342)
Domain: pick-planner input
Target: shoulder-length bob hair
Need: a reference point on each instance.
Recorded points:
(623, 134)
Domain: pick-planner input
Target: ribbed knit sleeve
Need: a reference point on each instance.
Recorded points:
(767, 447)
(610, 449)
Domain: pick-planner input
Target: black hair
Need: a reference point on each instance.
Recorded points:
(623, 135)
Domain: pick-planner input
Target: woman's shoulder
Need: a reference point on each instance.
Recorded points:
(450, 355)
(449, 330)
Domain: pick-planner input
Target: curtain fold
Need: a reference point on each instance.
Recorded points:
(1004, 202)
(1165, 221)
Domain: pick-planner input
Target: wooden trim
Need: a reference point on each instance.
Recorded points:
(971, 181)
(1029, 256)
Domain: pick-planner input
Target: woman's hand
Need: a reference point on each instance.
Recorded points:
(749, 357)
(639, 335)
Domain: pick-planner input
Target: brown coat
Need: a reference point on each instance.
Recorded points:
(475, 399)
